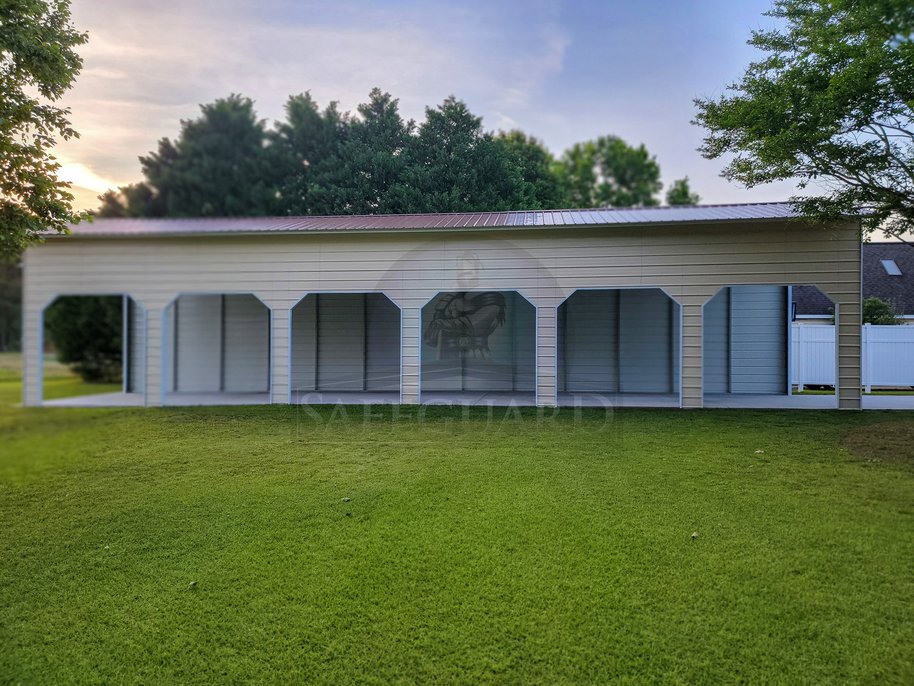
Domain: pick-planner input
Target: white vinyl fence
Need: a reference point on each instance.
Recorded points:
(888, 355)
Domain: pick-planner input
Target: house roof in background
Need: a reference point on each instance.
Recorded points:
(111, 227)
(877, 282)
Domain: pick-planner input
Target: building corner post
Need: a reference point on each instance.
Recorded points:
(849, 363)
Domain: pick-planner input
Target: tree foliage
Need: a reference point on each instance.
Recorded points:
(538, 169)
(680, 193)
(216, 167)
(38, 63)
(608, 172)
(10, 305)
(324, 161)
(304, 156)
(878, 311)
(86, 332)
(373, 159)
(453, 165)
(831, 102)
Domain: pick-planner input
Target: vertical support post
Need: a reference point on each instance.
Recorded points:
(692, 351)
(848, 372)
(410, 349)
(801, 356)
(222, 343)
(279, 321)
(867, 364)
(789, 340)
(32, 335)
(155, 356)
(546, 362)
(32, 353)
(125, 344)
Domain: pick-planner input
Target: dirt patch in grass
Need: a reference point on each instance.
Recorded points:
(883, 441)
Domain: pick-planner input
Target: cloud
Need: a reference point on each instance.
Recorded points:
(148, 65)
(80, 175)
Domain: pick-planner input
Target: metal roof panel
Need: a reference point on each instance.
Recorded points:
(417, 222)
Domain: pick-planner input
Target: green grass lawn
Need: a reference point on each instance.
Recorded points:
(282, 545)
(59, 381)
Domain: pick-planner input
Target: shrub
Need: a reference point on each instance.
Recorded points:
(86, 332)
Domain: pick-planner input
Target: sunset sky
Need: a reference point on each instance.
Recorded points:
(562, 71)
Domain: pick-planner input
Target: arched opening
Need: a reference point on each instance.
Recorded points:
(345, 347)
(216, 350)
(619, 346)
(478, 348)
(93, 351)
(769, 346)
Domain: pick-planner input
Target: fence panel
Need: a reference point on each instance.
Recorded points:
(813, 355)
(887, 355)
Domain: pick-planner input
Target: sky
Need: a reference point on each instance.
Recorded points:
(561, 71)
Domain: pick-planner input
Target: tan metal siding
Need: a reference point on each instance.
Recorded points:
(690, 262)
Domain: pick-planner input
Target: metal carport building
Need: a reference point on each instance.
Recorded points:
(526, 307)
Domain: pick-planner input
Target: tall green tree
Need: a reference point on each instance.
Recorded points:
(456, 166)
(216, 167)
(608, 172)
(305, 156)
(38, 64)
(831, 101)
(374, 159)
(538, 169)
(680, 193)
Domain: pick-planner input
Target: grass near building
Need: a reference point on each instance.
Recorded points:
(284, 545)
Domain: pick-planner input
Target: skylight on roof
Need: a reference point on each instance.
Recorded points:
(891, 268)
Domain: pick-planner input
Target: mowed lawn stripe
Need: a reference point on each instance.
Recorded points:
(273, 544)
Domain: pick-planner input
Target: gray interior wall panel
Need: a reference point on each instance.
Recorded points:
(524, 344)
(199, 341)
(716, 343)
(590, 342)
(304, 344)
(382, 355)
(437, 375)
(340, 342)
(511, 366)
(645, 342)
(758, 339)
(247, 345)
